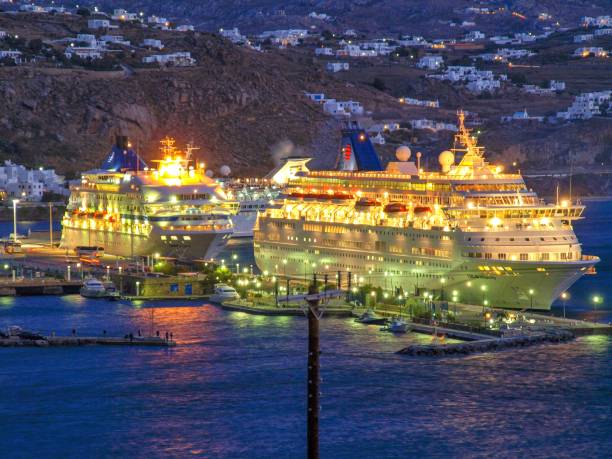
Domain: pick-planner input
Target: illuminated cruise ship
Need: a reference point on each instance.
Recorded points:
(468, 233)
(131, 210)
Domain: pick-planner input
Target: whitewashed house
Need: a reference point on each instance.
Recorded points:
(156, 20)
(324, 52)
(84, 52)
(594, 51)
(29, 184)
(342, 108)
(433, 125)
(185, 28)
(337, 66)
(98, 24)
(602, 32)
(152, 43)
(583, 37)
(3, 34)
(178, 59)
(120, 14)
(115, 40)
(420, 103)
(474, 35)
(14, 55)
(316, 97)
(233, 35)
(586, 105)
(521, 116)
(431, 62)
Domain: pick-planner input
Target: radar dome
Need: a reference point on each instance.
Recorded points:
(403, 153)
(225, 171)
(209, 173)
(446, 159)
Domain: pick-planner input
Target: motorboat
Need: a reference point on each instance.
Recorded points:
(397, 325)
(111, 291)
(93, 288)
(371, 318)
(224, 292)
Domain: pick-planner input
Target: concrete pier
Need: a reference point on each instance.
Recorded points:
(52, 341)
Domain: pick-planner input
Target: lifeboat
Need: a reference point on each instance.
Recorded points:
(422, 210)
(367, 202)
(395, 208)
(321, 196)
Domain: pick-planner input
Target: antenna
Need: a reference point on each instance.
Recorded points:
(190, 147)
(571, 176)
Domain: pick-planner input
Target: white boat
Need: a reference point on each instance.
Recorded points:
(397, 325)
(224, 292)
(371, 318)
(93, 288)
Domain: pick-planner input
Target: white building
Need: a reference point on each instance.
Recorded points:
(599, 21)
(602, 32)
(157, 20)
(433, 125)
(3, 34)
(11, 54)
(115, 39)
(284, 38)
(30, 184)
(324, 52)
(586, 105)
(98, 24)
(583, 37)
(320, 16)
(123, 15)
(420, 103)
(474, 35)
(316, 97)
(185, 28)
(342, 108)
(152, 43)
(557, 85)
(593, 51)
(84, 52)
(179, 59)
(431, 62)
(337, 66)
(233, 35)
(521, 116)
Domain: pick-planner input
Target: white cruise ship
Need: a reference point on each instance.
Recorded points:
(131, 210)
(468, 233)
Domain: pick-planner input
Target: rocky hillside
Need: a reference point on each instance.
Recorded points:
(236, 104)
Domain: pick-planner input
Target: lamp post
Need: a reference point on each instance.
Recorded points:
(596, 300)
(531, 292)
(484, 301)
(15, 202)
(564, 298)
(137, 288)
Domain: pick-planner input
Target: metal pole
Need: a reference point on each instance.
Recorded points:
(15, 201)
(313, 375)
(51, 224)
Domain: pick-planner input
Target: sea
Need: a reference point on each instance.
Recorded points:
(235, 386)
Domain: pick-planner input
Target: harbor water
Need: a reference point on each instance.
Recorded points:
(235, 384)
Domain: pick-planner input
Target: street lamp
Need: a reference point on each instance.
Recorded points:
(484, 301)
(15, 202)
(564, 297)
(531, 292)
(137, 288)
(596, 300)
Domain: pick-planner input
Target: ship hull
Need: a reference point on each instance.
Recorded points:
(203, 245)
(495, 283)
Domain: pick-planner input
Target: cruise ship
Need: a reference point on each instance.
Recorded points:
(468, 233)
(132, 210)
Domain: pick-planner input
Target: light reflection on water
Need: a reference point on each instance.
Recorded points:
(235, 387)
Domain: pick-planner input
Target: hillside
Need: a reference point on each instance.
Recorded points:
(235, 104)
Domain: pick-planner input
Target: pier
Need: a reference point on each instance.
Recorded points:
(39, 286)
(56, 341)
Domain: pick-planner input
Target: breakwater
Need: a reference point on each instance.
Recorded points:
(488, 345)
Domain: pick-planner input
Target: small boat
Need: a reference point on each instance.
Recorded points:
(224, 292)
(397, 325)
(371, 318)
(111, 291)
(93, 288)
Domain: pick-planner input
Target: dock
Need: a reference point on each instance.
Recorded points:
(39, 286)
(281, 310)
(57, 341)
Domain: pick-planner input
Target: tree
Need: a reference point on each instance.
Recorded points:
(379, 84)
(518, 79)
